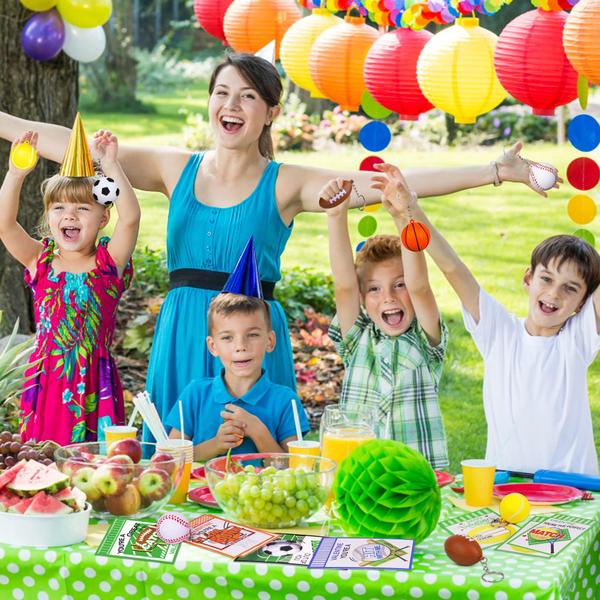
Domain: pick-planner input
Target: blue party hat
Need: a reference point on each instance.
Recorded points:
(244, 278)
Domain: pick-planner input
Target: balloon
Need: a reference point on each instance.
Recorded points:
(84, 44)
(43, 35)
(38, 5)
(85, 13)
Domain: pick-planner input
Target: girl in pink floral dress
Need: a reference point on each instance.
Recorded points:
(77, 282)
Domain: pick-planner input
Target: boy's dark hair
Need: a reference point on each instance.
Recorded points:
(564, 248)
(376, 249)
(227, 304)
(264, 78)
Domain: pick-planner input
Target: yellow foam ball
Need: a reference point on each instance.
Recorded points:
(23, 156)
(514, 508)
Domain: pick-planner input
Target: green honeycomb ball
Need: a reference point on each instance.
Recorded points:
(385, 488)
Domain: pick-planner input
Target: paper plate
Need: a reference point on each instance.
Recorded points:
(443, 478)
(202, 496)
(198, 473)
(540, 493)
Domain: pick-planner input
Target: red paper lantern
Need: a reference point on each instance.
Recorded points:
(415, 236)
(531, 63)
(391, 72)
(210, 14)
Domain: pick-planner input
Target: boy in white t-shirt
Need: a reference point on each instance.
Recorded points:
(535, 369)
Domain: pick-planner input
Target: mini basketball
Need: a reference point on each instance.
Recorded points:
(415, 236)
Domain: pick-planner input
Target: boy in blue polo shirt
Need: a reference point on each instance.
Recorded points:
(241, 409)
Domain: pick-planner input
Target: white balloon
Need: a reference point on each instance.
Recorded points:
(84, 44)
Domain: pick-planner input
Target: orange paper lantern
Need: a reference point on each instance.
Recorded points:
(415, 236)
(581, 39)
(337, 59)
(250, 25)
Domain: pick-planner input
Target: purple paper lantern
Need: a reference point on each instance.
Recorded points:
(43, 35)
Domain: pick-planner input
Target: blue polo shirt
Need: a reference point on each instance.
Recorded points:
(204, 399)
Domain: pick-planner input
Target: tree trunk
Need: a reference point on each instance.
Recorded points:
(40, 91)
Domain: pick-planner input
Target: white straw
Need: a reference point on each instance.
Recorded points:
(150, 417)
(181, 419)
(134, 413)
(296, 420)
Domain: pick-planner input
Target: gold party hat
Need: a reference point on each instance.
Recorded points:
(77, 161)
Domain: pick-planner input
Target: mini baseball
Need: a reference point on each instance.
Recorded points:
(542, 176)
(514, 508)
(173, 528)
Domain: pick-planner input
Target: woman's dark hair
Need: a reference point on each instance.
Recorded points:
(264, 78)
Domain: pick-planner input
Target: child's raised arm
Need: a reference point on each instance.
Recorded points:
(398, 200)
(125, 234)
(345, 281)
(18, 242)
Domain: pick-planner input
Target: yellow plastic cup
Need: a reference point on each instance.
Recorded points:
(114, 433)
(305, 448)
(187, 448)
(478, 480)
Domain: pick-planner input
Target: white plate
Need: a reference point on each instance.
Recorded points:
(44, 530)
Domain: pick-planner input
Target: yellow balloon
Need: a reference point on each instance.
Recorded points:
(38, 5)
(23, 156)
(581, 209)
(85, 13)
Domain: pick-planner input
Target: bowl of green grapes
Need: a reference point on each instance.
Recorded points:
(270, 490)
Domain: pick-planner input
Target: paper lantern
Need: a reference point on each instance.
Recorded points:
(456, 71)
(250, 25)
(531, 63)
(581, 39)
(384, 488)
(296, 46)
(391, 72)
(210, 14)
(337, 59)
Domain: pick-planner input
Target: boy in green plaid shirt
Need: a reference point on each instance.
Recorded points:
(388, 330)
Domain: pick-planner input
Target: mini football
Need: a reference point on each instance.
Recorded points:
(463, 550)
(338, 198)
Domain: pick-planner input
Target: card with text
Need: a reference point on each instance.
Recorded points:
(289, 549)
(483, 525)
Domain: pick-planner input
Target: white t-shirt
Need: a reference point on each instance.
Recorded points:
(535, 390)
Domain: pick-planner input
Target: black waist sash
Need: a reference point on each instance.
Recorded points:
(210, 280)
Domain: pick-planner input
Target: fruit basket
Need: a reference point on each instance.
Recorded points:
(262, 489)
(116, 480)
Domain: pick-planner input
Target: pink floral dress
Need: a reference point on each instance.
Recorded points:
(76, 390)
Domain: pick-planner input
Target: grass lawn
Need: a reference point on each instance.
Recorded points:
(492, 229)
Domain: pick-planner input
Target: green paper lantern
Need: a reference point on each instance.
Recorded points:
(384, 488)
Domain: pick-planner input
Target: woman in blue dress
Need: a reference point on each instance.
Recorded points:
(221, 197)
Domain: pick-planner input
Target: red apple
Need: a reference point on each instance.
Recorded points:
(129, 446)
(154, 484)
(73, 464)
(111, 479)
(124, 504)
(164, 461)
(83, 479)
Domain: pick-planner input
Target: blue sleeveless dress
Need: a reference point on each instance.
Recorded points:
(206, 237)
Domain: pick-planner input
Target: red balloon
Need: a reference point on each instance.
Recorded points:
(391, 72)
(531, 63)
(367, 163)
(583, 173)
(210, 14)
(415, 236)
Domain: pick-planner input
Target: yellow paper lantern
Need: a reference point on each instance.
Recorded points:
(296, 46)
(456, 71)
(581, 39)
(250, 25)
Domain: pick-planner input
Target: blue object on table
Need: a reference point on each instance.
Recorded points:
(501, 477)
(576, 480)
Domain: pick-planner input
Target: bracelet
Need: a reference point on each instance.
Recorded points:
(496, 172)
(360, 196)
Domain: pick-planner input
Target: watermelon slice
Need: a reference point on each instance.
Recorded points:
(8, 499)
(35, 477)
(9, 475)
(43, 504)
(22, 506)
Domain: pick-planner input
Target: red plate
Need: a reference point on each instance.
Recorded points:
(202, 496)
(540, 493)
(198, 473)
(443, 478)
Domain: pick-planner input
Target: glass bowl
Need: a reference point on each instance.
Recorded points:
(122, 484)
(272, 490)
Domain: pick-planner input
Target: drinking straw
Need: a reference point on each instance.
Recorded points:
(134, 413)
(296, 420)
(181, 419)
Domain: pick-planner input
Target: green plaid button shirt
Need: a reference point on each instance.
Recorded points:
(401, 375)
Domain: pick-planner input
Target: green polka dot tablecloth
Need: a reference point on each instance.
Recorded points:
(75, 573)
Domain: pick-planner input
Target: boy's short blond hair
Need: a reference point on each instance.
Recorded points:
(227, 304)
(377, 249)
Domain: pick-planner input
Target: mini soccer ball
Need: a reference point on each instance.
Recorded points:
(105, 190)
(281, 548)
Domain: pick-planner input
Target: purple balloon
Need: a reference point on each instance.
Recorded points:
(43, 36)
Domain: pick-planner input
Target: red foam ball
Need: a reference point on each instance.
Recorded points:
(463, 550)
(415, 236)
